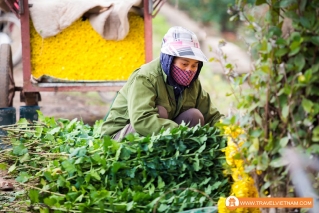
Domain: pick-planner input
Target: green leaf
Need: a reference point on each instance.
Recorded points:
(130, 206)
(54, 131)
(274, 30)
(255, 146)
(96, 157)
(12, 168)
(196, 163)
(163, 207)
(286, 3)
(50, 201)
(23, 122)
(79, 198)
(160, 183)
(285, 112)
(284, 141)
(34, 195)
(125, 154)
(3, 166)
(71, 125)
(131, 172)
(307, 104)
(94, 174)
(280, 52)
(294, 48)
(38, 132)
(20, 150)
(202, 148)
(25, 158)
(308, 75)
(300, 62)
(315, 131)
(258, 119)
(260, 2)
(23, 177)
(116, 166)
(44, 210)
(118, 151)
(313, 149)
(216, 185)
(278, 162)
(263, 161)
(69, 166)
(315, 134)
(305, 22)
(265, 47)
(255, 133)
(151, 189)
(281, 41)
(315, 40)
(48, 175)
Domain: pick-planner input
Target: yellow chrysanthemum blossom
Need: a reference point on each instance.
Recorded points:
(230, 152)
(239, 174)
(80, 53)
(221, 205)
(233, 131)
(241, 210)
(243, 185)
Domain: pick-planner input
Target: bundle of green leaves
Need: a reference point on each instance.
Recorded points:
(69, 166)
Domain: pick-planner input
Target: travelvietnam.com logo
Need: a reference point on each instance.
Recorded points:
(233, 202)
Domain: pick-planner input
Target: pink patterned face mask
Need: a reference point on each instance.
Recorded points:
(182, 77)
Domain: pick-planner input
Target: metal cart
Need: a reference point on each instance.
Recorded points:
(30, 92)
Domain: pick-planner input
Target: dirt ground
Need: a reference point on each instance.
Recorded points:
(88, 106)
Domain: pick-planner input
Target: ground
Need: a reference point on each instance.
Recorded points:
(88, 106)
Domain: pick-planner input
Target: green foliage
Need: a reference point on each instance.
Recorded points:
(210, 12)
(70, 166)
(281, 105)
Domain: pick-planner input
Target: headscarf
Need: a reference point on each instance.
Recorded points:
(166, 63)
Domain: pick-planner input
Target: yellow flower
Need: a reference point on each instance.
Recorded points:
(240, 189)
(233, 131)
(221, 205)
(239, 163)
(242, 210)
(238, 174)
(230, 152)
(254, 210)
(243, 185)
(80, 53)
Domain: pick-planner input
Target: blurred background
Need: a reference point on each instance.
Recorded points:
(208, 19)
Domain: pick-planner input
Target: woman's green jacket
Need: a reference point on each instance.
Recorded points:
(146, 88)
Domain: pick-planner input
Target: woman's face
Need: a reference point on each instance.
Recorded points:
(186, 63)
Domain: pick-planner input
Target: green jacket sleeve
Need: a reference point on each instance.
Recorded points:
(142, 110)
(205, 105)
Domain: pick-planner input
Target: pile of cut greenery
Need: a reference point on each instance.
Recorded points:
(67, 166)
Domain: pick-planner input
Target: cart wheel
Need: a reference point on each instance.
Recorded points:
(7, 87)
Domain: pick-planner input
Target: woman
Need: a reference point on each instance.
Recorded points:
(164, 92)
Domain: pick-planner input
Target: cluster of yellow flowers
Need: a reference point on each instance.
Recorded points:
(243, 185)
(80, 53)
